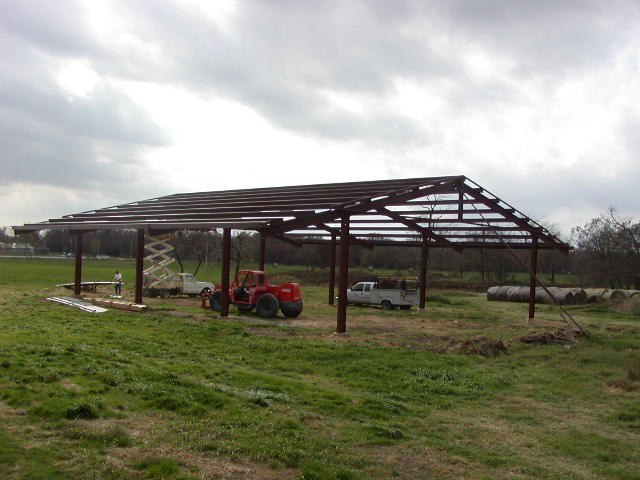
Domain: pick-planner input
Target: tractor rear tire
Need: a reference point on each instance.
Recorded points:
(267, 306)
(215, 301)
(244, 308)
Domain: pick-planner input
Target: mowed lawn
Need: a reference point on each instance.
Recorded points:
(176, 393)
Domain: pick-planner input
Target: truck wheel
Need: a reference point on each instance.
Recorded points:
(387, 305)
(215, 301)
(165, 294)
(267, 306)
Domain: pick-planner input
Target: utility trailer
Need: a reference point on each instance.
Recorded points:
(388, 292)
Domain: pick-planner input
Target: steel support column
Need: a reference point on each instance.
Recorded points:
(139, 266)
(226, 267)
(532, 282)
(332, 269)
(424, 258)
(263, 245)
(341, 322)
(77, 287)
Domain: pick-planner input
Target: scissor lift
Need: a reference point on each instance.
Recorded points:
(159, 258)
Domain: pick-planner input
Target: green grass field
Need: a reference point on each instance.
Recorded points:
(177, 393)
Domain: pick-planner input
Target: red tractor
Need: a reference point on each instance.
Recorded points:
(250, 290)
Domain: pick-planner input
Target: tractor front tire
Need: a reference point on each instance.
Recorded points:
(291, 309)
(215, 301)
(267, 306)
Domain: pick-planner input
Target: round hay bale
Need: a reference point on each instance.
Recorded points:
(564, 296)
(614, 296)
(579, 296)
(634, 295)
(522, 294)
(594, 294)
(492, 293)
(512, 294)
(501, 294)
(598, 292)
(543, 297)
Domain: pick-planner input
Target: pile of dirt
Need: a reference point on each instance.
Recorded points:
(479, 345)
(561, 336)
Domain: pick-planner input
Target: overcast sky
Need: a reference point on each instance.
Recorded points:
(106, 102)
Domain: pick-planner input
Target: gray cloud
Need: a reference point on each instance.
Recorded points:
(91, 142)
(544, 36)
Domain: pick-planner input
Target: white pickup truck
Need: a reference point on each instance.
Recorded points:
(387, 294)
(178, 284)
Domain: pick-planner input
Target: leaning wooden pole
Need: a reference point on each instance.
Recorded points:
(226, 268)
(332, 270)
(341, 322)
(424, 258)
(139, 265)
(532, 277)
(77, 287)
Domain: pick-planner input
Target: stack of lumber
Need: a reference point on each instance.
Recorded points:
(118, 304)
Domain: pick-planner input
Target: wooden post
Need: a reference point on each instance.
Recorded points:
(424, 258)
(262, 251)
(139, 266)
(226, 268)
(341, 322)
(532, 280)
(332, 270)
(77, 287)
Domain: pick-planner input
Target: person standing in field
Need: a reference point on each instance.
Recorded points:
(118, 281)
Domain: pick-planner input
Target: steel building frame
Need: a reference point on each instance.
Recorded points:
(434, 212)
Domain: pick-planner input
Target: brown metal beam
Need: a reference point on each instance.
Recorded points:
(290, 241)
(139, 266)
(354, 239)
(424, 258)
(77, 287)
(532, 279)
(332, 269)
(341, 320)
(424, 231)
(357, 208)
(507, 213)
(418, 244)
(226, 269)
